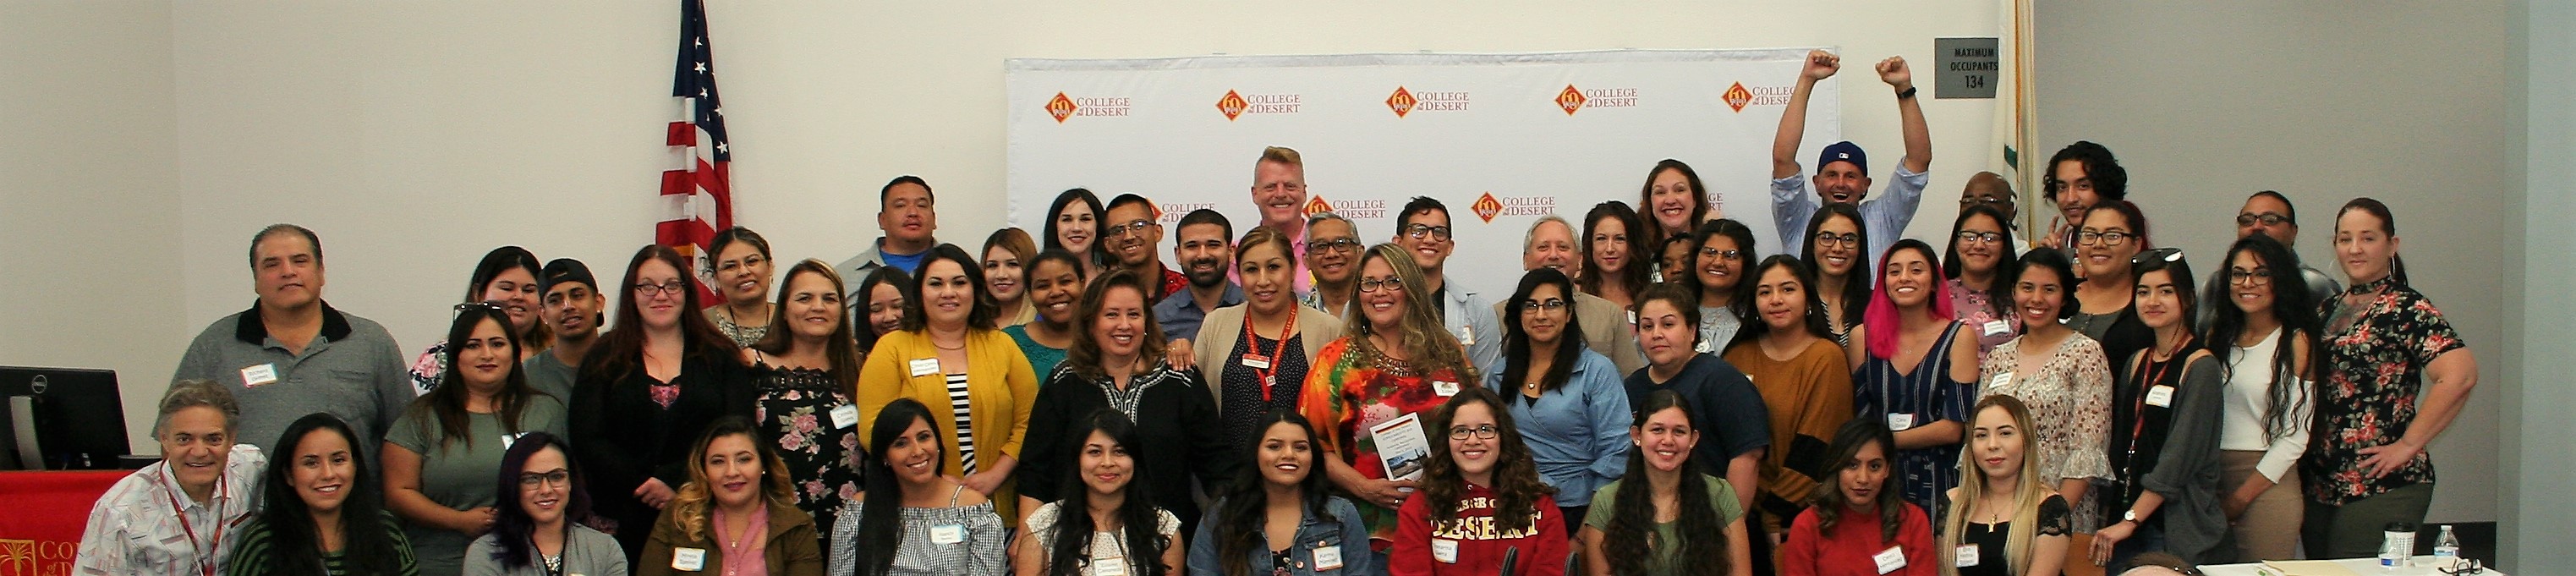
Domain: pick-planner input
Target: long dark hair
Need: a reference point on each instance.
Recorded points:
(1630, 539)
(1136, 512)
(1745, 248)
(1828, 496)
(1083, 357)
(1099, 220)
(1856, 284)
(840, 348)
(1814, 317)
(2387, 227)
(1634, 275)
(1516, 340)
(366, 540)
(511, 525)
(446, 404)
(887, 276)
(2290, 306)
(2171, 262)
(1517, 486)
(622, 349)
(881, 514)
(981, 310)
(1241, 515)
(2005, 253)
(500, 260)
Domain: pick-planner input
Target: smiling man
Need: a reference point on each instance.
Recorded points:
(1423, 230)
(1550, 244)
(291, 354)
(1206, 256)
(1132, 235)
(905, 211)
(1842, 171)
(572, 306)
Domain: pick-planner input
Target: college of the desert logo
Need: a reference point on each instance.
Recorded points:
(1401, 102)
(1572, 99)
(18, 557)
(1405, 101)
(1487, 207)
(1316, 205)
(1235, 105)
(1061, 107)
(1737, 97)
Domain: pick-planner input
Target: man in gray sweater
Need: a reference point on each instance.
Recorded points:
(292, 355)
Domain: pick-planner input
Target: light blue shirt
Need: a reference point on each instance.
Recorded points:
(1577, 433)
(1471, 320)
(1883, 215)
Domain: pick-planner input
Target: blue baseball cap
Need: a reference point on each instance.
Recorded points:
(1844, 151)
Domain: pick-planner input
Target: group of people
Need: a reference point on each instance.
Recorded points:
(1654, 397)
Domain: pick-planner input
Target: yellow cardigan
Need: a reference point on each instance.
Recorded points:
(1000, 389)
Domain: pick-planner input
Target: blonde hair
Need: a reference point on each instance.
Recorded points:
(1972, 490)
(690, 506)
(1427, 346)
(1283, 155)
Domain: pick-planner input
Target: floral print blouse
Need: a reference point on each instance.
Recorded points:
(1353, 387)
(793, 408)
(2375, 355)
(2070, 405)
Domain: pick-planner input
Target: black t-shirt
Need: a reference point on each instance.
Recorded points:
(1727, 410)
(1990, 538)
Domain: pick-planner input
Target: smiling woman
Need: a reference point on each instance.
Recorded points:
(506, 278)
(439, 455)
(324, 514)
(736, 514)
(1113, 366)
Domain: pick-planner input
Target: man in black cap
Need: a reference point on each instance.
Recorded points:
(572, 310)
(1842, 172)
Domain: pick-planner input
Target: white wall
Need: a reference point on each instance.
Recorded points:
(89, 196)
(2539, 521)
(2207, 102)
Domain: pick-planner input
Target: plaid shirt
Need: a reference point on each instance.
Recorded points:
(133, 530)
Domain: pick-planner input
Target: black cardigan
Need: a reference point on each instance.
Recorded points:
(1176, 423)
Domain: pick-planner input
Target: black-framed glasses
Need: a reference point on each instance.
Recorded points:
(2113, 238)
(1337, 245)
(2266, 218)
(673, 287)
(1420, 231)
(1484, 431)
(1551, 305)
(2166, 255)
(559, 477)
(1136, 225)
(1831, 239)
(1727, 254)
(1375, 284)
(2255, 277)
(2466, 567)
(1974, 237)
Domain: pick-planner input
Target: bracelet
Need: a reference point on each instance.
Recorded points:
(1907, 94)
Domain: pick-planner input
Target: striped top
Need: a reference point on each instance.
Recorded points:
(257, 555)
(957, 401)
(1925, 396)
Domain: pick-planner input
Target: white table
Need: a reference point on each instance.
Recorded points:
(2424, 566)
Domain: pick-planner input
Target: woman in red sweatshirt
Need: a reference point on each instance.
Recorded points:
(1481, 498)
(1859, 526)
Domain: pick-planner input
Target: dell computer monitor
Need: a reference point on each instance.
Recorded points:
(60, 419)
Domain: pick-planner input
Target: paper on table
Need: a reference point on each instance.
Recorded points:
(2309, 568)
(1401, 447)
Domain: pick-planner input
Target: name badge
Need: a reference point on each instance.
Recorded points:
(1890, 560)
(689, 559)
(1327, 557)
(1967, 555)
(255, 376)
(2001, 378)
(1900, 422)
(845, 416)
(948, 534)
(925, 366)
(2160, 396)
(509, 439)
(1467, 335)
(1109, 567)
(1997, 327)
(1256, 362)
(1444, 550)
(1444, 389)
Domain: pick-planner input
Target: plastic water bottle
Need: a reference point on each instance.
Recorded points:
(2446, 548)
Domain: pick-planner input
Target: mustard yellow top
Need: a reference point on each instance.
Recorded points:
(1000, 389)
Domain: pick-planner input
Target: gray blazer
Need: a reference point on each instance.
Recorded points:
(1223, 327)
(2187, 471)
(586, 552)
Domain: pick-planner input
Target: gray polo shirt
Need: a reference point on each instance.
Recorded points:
(352, 370)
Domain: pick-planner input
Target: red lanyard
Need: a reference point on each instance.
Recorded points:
(206, 557)
(1270, 364)
(2155, 373)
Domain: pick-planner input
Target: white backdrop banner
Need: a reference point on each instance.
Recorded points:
(1501, 139)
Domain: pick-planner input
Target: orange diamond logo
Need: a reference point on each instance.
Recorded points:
(1571, 99)
(1487, 207)
(1316, 205)
(1402, 102)
(1232, 105)
(1061, 107)
(1737, 97)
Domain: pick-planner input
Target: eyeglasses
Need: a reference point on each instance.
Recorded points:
(1983, 200)
(2166, 255)
(745, 262)
(2267, 218)
(2466, 567)
(1551, 305)
(1374, 284)
(1831, 239)
(1420, 231)
(672, 287)
(2106, 238)
(1727, 254)
(1980, 237)
(1336, 245)
(1139, 225)
(2255, 277)
(559, 477)
(1486, 431)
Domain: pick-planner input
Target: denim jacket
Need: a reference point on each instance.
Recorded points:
(1345, 532)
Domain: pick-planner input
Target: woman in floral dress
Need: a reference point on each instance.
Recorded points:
(1395, 362)
(805, 370)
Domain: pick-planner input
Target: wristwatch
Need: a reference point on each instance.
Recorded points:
(2130, 516)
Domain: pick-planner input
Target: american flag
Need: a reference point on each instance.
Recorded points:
(700, 192)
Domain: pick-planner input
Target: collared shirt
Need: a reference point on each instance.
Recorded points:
(1180, 315)
(1883, 216)
(1578, 432)
(134, 530)
(351, 370)
(1174, 282)
(858, 267)
(1471, 320)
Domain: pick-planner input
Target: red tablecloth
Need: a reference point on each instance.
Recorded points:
(41, 518)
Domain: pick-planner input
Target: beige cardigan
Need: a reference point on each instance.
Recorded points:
(1223, 327)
